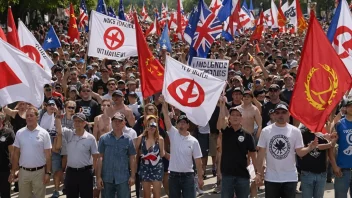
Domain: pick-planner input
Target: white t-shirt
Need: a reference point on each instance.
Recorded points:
(107, 97)
(281, 144)
(47, 122)
(205, 129)
(131, 133)
(32, 145)
(183, 150)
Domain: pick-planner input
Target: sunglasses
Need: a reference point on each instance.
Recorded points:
(152, 126)
(86, 91)
(280, 112)
(151, 109)
(111, 84)
(72, 108)
(48, 89)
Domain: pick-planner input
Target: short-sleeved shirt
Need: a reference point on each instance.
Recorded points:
(79, 149)
(265, 111)
(7, 138)
(116, 151)
(235, 147)
(89, 108)
(183, 150)
(130, 132)
(32, 145)
(344, 154)
(281, 144)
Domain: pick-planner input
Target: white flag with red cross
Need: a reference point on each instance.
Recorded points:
(111, 38)
(30, 46)
(193, 91)
(21, 79)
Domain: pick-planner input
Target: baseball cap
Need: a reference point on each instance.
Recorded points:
(281, 106)
(285, 66)
(80, 116)
(50, 102)
(238, 89)
(83, 76)
(234, 109)
(117, 93)
(182, 117)
(132, 93)
(248, 92)
(118, 116)
(89, 67)
(274, 86)
(347, 102)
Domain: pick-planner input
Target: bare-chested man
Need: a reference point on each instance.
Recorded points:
(102, 123)
(119, 106)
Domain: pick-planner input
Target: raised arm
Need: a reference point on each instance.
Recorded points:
(165, 111)
(222, 120)
(10, 112)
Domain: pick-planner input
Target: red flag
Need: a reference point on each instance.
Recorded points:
(281, 17)
(72, 29)
(322, 79)
(301, 22)
(257, 34)
(2, 35)
(12, 36)
(235, 17)
(152, 72)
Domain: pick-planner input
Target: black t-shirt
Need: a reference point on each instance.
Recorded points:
(231, 104)
(265, 111)
(235, 147)
(247, 83)
(286, 95)
(90, 109)
(214, 120)
(7, 138)
(98, 83)
(314, 161)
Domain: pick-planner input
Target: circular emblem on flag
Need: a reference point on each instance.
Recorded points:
(32, 53)
(347, 44)
(113, 38)
(187, 92)
(320, 99)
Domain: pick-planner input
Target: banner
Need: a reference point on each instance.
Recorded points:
(216, 67)
(111, 38)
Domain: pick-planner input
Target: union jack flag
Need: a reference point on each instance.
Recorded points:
(83, 15)
(208, 28)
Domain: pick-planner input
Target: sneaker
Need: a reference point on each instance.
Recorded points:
(214, 172)
(200, 192)
(56, 194)
(204, 177)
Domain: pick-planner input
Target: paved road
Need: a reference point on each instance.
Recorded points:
(208, 188)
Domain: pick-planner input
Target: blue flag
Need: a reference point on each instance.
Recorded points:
(101, 7)
(83, 19)
(192, 24)
(251, 5)
(334, 23)
(164, 40)
(227, 8)
(111, 12)
(51, 40)
(121, 11)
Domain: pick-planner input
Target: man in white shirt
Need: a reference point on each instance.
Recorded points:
(184, 148)
(32, 152)
(278, 144)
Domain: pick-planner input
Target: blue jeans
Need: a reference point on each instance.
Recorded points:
(121, 190)
(182, 184)
(313, 184)
(232, 184)
(342, 184)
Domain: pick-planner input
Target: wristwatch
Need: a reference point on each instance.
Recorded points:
(48, 173)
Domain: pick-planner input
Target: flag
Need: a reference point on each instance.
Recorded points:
(101, 7)
(72, 29)
(285, 7)
(274, 14)
(322, 79)
(179, 31)
(2, 35)
(258, 32)
(233, 24)
(154, 28)
(30, 46)
(164, 10)
(67, 12)
(83, 16)
(12, 36)
(152, 72)
(250, 5)
(111, 41)
(20, 77)
(215, 5)
(111, 12)
(144, 12)
(301, 22)
(247, 20)
(281, 18)
(340, 27)
(192, 24)
(227, 8)
(268, 19)
(121, 11)
(194, 92)
(208, 28)
(51, 40)
(164, 40)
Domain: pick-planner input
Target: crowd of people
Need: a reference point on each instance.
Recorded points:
(95, 134)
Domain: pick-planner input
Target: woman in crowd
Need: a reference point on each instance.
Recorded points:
(150, 146)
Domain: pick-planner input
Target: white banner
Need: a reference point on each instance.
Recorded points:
(192, 91)
(216, 67)
(111, 38)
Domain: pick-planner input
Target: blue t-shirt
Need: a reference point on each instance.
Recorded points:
(344, 154)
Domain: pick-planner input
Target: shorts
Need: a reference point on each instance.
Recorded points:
(213, 138)
(56, 162)
(254, 134)
(203, 140)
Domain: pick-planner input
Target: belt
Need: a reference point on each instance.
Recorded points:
(181, 174)
(80, 169)
(32, 169)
